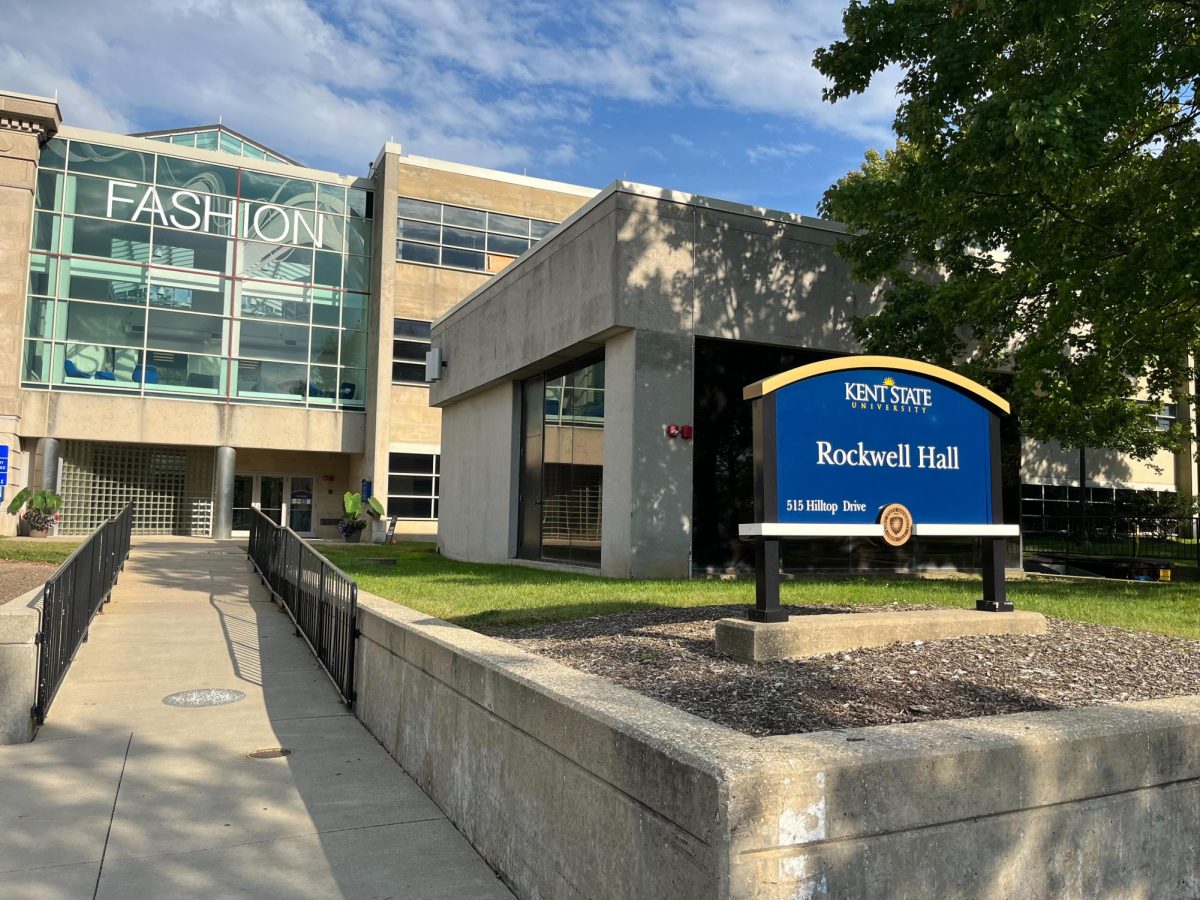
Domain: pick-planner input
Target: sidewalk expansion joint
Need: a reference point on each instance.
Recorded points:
(112, 816)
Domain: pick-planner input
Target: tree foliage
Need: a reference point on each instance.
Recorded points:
(1040, 211)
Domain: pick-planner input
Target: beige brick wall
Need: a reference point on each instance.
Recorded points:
(426, 292)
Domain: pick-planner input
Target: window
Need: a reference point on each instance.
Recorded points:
(458, 237)
(413, 485)
(410, 342)
(1165, 417)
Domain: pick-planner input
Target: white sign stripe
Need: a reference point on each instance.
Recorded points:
(931, 529)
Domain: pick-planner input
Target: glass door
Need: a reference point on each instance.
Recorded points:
(243, 501)
(300, 505)
(270, 497)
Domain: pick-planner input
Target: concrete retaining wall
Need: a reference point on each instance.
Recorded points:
(19, 626)
(572, 787)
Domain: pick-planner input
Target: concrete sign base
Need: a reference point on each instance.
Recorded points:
(802, 636)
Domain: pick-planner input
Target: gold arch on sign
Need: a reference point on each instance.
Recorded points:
(849, 363)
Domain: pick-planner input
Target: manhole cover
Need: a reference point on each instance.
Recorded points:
(270, 753)
(204, 697)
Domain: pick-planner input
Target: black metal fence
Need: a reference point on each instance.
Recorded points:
(72, 597)
(1119, 537)
(321, 599)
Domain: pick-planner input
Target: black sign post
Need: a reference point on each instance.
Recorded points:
(994, 597)
(766, 551)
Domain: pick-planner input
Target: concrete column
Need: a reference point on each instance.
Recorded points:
(51, 453)
(647, 529)
(223, 494)
(25, 124)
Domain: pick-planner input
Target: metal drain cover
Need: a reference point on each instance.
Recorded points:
(203, 697)
(270, 753)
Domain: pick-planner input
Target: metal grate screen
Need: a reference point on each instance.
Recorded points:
(170, 487)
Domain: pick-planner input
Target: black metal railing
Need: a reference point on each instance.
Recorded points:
(72, 597)
(1120, 537)
(321, 599)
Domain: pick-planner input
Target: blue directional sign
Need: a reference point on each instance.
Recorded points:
(3, 464)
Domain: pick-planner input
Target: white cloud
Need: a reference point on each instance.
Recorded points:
(653, 152)
(483, 83)
(777, 152)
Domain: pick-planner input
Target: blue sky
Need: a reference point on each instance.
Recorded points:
(707, 96)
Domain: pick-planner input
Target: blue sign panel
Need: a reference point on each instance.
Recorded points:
(850, 442)
(3, 464)
(874, 446)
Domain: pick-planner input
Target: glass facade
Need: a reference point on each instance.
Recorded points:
(162, 276)
(458, 237)
(562, 473)
(219, 140)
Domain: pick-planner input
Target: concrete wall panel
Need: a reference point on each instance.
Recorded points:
(99, 417)
(411, 418)
(479, 480)
(647, 476)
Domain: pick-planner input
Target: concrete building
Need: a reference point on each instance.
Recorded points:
(194, 321)
(568, 380)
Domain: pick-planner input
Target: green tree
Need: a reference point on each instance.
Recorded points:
(1047, 169)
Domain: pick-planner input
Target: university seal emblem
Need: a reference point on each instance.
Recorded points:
(897, 524)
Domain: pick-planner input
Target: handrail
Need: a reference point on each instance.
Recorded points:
(320, 599)
(71, 598)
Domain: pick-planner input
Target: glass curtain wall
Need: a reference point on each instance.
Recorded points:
(161, 276)
(572, 476)
(219, 140)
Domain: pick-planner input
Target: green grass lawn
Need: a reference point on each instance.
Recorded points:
(493, 596)
(48, 550)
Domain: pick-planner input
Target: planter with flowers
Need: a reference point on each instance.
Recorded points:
(38, 510)
(352, 525)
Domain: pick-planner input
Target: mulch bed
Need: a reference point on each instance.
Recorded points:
(669, 655)
(18, 577)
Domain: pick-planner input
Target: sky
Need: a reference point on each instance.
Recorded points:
(708, 96)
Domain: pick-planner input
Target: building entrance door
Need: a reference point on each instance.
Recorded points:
(270, 497)
(243, 502)
(284, 499)
(300, 504)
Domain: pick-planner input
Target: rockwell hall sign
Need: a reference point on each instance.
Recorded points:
(875, 447)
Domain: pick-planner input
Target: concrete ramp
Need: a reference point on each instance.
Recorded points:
(123, 795)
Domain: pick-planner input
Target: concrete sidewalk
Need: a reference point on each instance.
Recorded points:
(122, 796)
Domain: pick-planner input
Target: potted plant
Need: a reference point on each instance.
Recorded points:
(40, 510)
(352, 525)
